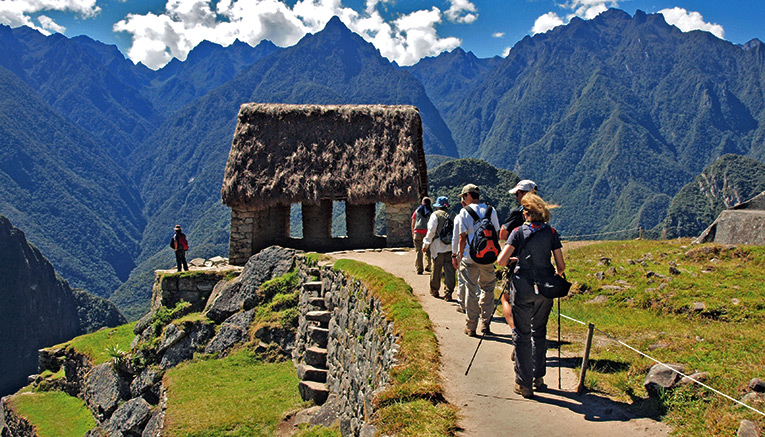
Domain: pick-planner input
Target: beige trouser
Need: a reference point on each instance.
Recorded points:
(479, 292)
(443, 262)
(418, 249)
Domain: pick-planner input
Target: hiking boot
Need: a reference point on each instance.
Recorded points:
(419, 272)
(539, 384)
(460, 309)
(486, 331)
(435, 294)
(470, 332)
(524, 391)
(427, 269)
(448, 297)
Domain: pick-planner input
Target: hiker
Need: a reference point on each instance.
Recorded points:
(461, 285)
(438, 241)
(478, 248)
(420, 219)
(536, 241)
(513, 221)
(180, 245)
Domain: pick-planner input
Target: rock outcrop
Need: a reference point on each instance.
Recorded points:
(38, 308)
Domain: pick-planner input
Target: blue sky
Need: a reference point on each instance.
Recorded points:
(155, 31)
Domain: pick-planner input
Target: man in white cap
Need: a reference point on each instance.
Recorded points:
(478, 275)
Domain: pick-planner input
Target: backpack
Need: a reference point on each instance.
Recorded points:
(445, 227)
(484, 246)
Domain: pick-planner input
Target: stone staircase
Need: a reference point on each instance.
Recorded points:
(313, 370)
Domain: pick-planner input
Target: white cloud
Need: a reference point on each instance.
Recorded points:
(586, 9)
(691, 20)
(458, 7)
(48, 24)
(546, 22)
(184, 23)
(17, 13)
(498, 34)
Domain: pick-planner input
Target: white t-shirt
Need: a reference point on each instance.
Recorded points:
(464, 223)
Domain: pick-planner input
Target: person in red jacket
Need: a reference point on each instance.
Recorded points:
(180, 245)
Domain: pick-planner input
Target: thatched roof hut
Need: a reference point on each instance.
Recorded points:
(305, 153)
(744, 223)
(315, 154)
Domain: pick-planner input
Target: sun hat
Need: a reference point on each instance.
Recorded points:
(524, 185)
(177, 227)
(441, 202)
(470, 188)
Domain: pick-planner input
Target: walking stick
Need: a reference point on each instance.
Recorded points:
(482, 336)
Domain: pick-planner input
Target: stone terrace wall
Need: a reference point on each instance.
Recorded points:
(361, 349)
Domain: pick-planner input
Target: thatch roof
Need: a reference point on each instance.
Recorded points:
(305, 153)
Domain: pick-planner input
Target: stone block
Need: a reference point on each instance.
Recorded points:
(314, 391)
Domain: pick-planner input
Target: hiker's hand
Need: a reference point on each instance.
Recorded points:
(425, 249)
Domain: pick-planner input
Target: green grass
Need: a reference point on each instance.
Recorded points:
(96, 345)
(653, 314)
(54, 414)
(414, 402)
(235, 396)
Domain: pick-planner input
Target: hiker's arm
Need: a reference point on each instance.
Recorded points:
(504, 256)
(456, 259)
(560, 265)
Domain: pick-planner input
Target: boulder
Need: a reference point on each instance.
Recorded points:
(219, 261)
(195, 336)
(129, 418)
(234, 330)
(104, 389)
(242, 292)
(330, 412)
(155, 424)
(661, 377)
(197, 262)
(758, 385)
(146, 382)
(747, 428)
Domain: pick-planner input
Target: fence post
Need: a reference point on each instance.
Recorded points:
(586, 359)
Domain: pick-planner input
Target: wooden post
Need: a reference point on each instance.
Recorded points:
(586, 359)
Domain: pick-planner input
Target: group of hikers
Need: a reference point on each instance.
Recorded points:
(464, 248)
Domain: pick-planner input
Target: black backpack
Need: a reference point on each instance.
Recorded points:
(446, 230)
(484, 246)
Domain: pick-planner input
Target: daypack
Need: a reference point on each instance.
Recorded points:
(179, 242)
(484, 246)
(445, 227)
(421, 219)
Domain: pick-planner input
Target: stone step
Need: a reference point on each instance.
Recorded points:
(322, 317)
(318, 336)
(310, 373)
(312, 286)
(317, 303)
(313, 391)
(316, 356)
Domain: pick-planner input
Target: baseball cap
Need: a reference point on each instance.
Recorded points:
(470, 188)
(524, 185)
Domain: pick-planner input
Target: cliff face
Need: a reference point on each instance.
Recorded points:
(37, 308)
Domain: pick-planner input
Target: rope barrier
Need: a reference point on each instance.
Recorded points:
(600, 233)
(665, 365)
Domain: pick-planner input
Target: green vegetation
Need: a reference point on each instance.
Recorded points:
(414, 402)
(100, 346)
(651, 309)
(54, 414)
(235, 396)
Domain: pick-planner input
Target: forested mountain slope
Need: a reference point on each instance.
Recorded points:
(615, 114)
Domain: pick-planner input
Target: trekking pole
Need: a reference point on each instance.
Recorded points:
(482, 336)
(559, 363)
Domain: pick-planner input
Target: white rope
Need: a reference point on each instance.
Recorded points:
(600, 233)
(667, 366)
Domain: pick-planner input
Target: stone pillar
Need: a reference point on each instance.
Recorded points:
(240, 240)
(398, 221)
(317, 223)
(360, 222)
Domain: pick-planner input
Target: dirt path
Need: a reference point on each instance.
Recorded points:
(485, 397)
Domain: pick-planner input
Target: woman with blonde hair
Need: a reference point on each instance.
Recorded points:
(536, 242)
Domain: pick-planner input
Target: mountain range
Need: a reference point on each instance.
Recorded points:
(610, 116)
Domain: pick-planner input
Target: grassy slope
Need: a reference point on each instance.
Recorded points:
(95, 344)
(54, 414)
(653, 315)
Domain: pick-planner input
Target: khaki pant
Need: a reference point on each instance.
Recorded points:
(479, 292)
(418, 249)
(443, 262)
